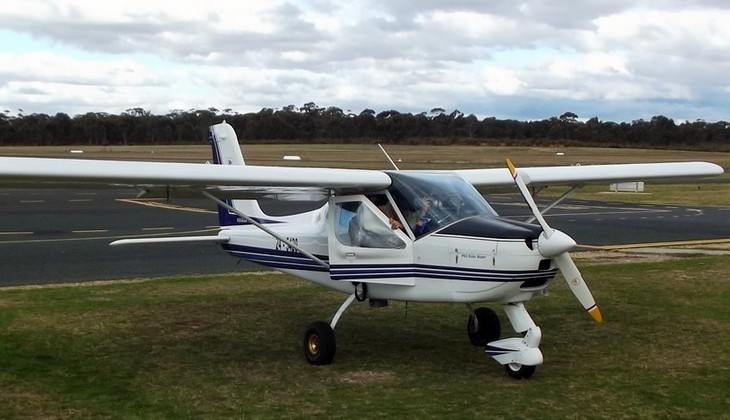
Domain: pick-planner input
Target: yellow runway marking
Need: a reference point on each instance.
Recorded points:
(16, 233)
(159, 228)
(657, 244)
(90, 231)
(96, 238)
(149, 202)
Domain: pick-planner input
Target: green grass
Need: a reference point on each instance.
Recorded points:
(716, 193)
(229, 346)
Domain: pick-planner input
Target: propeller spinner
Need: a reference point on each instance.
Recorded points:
(556, 244)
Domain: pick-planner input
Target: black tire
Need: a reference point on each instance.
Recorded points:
(319, 344)
(483, 326)
(519, 371)
(361, 291)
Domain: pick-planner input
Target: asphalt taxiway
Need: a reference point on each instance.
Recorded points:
(62, 235)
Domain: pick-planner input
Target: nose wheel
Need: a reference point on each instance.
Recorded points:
(520, 355)
(519, 371)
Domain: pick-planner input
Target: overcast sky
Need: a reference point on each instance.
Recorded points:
(511, 59)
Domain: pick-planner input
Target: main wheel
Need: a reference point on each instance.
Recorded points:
(361, 291)
(519, 371)
(319, 343)
(483, 326)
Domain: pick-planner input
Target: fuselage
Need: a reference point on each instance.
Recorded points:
(476, 258)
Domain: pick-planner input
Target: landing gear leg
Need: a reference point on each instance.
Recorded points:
(319, 339)
(519, 355)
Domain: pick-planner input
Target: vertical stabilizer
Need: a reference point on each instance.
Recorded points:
(227, 151)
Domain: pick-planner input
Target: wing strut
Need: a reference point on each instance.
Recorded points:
(388, 157)
(265, 229)
(554, 203)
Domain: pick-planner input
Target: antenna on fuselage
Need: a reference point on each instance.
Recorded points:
(388, 157)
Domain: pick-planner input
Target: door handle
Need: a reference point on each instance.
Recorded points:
(350, 255)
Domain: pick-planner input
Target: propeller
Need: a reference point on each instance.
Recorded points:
(555, 244)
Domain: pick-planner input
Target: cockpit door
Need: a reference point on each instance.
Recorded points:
(363, 247)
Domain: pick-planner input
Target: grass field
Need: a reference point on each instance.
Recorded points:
(437, 157)
(698, 194)
(229, 346)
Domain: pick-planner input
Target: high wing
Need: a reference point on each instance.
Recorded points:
(591, 174)
(75, 171)
(263, 179)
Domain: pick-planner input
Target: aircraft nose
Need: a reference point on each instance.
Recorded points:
(556, 244)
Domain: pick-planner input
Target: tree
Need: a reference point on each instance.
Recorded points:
(437, 111)
(568, 116)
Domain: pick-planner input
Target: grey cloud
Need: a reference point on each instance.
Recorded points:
(28, 90)
(397, 49)
(571, 13)
(150, 34)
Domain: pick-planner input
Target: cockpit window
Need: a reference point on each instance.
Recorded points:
(429, 201)
(357, 226)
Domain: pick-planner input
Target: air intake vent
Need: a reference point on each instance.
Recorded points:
(534, 283)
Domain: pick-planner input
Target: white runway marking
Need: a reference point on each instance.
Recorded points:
(16, 233)
(598, 213)
(153, 203)
(31, 201)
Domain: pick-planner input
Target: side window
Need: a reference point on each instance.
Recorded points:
(356, 225)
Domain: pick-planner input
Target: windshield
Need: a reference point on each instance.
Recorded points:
(430, 201)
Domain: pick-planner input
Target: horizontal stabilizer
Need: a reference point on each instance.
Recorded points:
(219, 239)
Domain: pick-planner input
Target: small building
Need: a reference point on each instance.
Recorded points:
(627, 187)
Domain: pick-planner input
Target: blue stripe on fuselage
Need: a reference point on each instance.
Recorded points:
(296, 261)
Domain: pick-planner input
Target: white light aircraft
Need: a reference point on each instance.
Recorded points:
(418, 236)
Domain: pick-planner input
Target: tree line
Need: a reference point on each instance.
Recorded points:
(312, 123)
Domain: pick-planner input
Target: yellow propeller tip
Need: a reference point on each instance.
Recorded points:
(511, 167)
(595, 313)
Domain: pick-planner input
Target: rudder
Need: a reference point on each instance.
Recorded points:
(227, 151)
